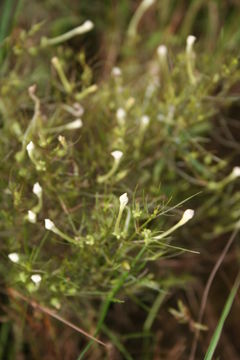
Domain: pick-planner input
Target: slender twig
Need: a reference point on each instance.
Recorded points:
(15, 294)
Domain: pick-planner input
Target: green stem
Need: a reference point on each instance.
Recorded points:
(117, 225)
(103, 178)
(109, 299)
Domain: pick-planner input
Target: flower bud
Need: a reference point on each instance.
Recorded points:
(14, 257)
(32, 217)
(187, 215)
(49, 225)
(36, 278)
(117, 154)
(37, 190)
(190, 42)
(123, 199)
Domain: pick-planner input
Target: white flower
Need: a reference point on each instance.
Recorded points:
(76, 124)
(14, 257)
(55, 61)
(30, 147)
(121, 114)
(190, 41)
(86, 26)
(148, 2)
(36, 278)
(116, 71)
(37, 190)
(145, 120)
(32, 217)
(117, 154)
(162, 51)
(49, 225)
(123, 199)
(236, 172)
(123, 202)
(78, 109)
(187, 215)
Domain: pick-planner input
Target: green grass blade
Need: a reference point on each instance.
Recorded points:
(6, 17)
(226, 310)
(5, 329)
(115, 340)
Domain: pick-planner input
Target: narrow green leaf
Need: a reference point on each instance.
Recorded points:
(225, 312)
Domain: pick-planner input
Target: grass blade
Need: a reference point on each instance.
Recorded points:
(6, 18)
(225, 312)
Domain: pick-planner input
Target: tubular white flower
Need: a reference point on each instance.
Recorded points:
(30, 148)
(190, 58)
(123, 199)
(117, 154)
(76, 124)
(121, 114)
(78, 109)
(145, 120)
(142, 8)
(86, 26)
(14, 257)
(32, 217)
(39, 164)
(116, 71)
(36, 278)
(164, 70)
(123, 202)
(37, 190)
(49, 225)
(162, 52)
(148, 3)
(236, 172)
(190, 42)
(187, 215)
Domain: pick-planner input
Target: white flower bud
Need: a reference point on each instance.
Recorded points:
(76, 124)
(162, 51)
(30, 147)
(187, 215)
(86, 26)
(117, 154)
(14, 257)
(148, 3)
(78, 109)
(116, 71)
(49, 225)
(123, 199)
(55, 61)
(145, 120)
(37, 190)
(121, 114)
(236, 172)
(190, 41)
(32, 217)
(36, 278)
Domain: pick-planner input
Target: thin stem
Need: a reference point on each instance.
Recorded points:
(103, 178)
